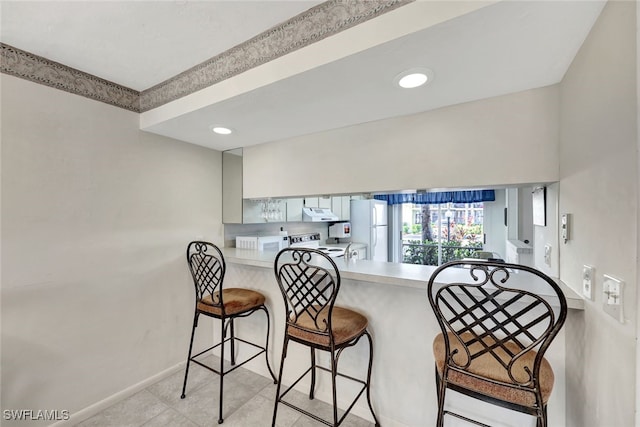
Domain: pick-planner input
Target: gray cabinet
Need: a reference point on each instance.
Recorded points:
(232, 203)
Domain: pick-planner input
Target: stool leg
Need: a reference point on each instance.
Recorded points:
(279, 382)
(233, 346)
(313, 373)
(542, 418)
(440, 389)
(266, 346)
(377, 423)
(334, 373)
(222, 336)
(186, 371)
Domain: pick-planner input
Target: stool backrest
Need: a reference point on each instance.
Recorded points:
(309, 281)
(497, 309)
(208, 268)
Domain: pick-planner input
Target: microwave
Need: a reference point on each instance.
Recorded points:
(262, 243)
(340, 230)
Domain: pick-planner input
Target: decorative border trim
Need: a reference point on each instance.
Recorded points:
(37, 69)
(315, 24)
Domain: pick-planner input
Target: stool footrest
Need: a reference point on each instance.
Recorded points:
(315, 417)
(469, 420)
(237, 365)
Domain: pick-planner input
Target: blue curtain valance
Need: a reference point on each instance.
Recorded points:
(471, 196)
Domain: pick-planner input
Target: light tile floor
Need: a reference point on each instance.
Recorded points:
(248, 402)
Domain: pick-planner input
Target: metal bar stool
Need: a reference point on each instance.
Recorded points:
(309, 281)
(495, 332)
(208, 268)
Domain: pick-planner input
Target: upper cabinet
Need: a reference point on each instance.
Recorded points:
(232, 205)
(264, 210)
(236, 210)
(294, 209)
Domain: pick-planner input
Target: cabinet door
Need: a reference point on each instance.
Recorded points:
(311, 202)
(336, 206)
(324, 202)
(346, 208)
(252, 212)
(232, 187)
(294, 209)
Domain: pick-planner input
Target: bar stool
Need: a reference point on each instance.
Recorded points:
(309, 281)
(495, 332)
(208, 268)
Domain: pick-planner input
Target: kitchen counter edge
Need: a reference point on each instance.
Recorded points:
(395, 274)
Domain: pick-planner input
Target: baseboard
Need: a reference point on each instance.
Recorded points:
(97, 407)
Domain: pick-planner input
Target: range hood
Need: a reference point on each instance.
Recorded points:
(318, 215)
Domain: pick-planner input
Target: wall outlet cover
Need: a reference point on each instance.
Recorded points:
(613, 297)
(588, 281)
(547, 255)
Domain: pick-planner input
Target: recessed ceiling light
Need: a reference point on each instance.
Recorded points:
(221, 130)
(414, 77)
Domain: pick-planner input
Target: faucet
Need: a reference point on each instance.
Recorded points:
(347, 252)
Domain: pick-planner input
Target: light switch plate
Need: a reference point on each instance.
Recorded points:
(613, 297)
(588, 281)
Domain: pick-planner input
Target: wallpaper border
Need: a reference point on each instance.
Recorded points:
(315, 24)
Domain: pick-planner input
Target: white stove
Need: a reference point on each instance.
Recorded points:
(312, 240)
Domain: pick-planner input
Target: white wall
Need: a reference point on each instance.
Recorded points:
(506, 140)
(599, 187)
(548, 235)
(96, 215)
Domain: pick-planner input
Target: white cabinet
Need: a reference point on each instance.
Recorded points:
(311, 202)
(317, 202)
(340, 205)
(290, 210)
(262, 211)
(251, 212)
(294, 209)
(324, 202)
(336, 206)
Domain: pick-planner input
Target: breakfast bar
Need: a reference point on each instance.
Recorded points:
(393, 297)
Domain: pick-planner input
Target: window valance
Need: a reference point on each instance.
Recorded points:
(471, 196)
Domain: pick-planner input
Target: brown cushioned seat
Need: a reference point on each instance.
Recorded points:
(346, 324)
(487, 366)
(236, 301)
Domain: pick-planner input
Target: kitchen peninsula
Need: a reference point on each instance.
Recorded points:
(393, 297)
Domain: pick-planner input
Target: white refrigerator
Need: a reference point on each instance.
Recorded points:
(369, 226)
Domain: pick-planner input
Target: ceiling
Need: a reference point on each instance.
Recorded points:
(501, 48)
(138, 44)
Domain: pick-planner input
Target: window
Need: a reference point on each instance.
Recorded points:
(433, 234)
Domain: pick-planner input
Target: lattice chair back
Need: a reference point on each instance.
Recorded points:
(309, 281)
(207, 269)
(495, 312)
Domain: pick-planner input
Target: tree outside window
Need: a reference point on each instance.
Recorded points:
(431, 237)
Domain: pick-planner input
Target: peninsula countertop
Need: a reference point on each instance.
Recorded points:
(393, 274)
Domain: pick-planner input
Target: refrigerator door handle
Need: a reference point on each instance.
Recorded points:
(375, 242)
(374, 216)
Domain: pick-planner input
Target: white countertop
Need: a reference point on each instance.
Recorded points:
(396, 274)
